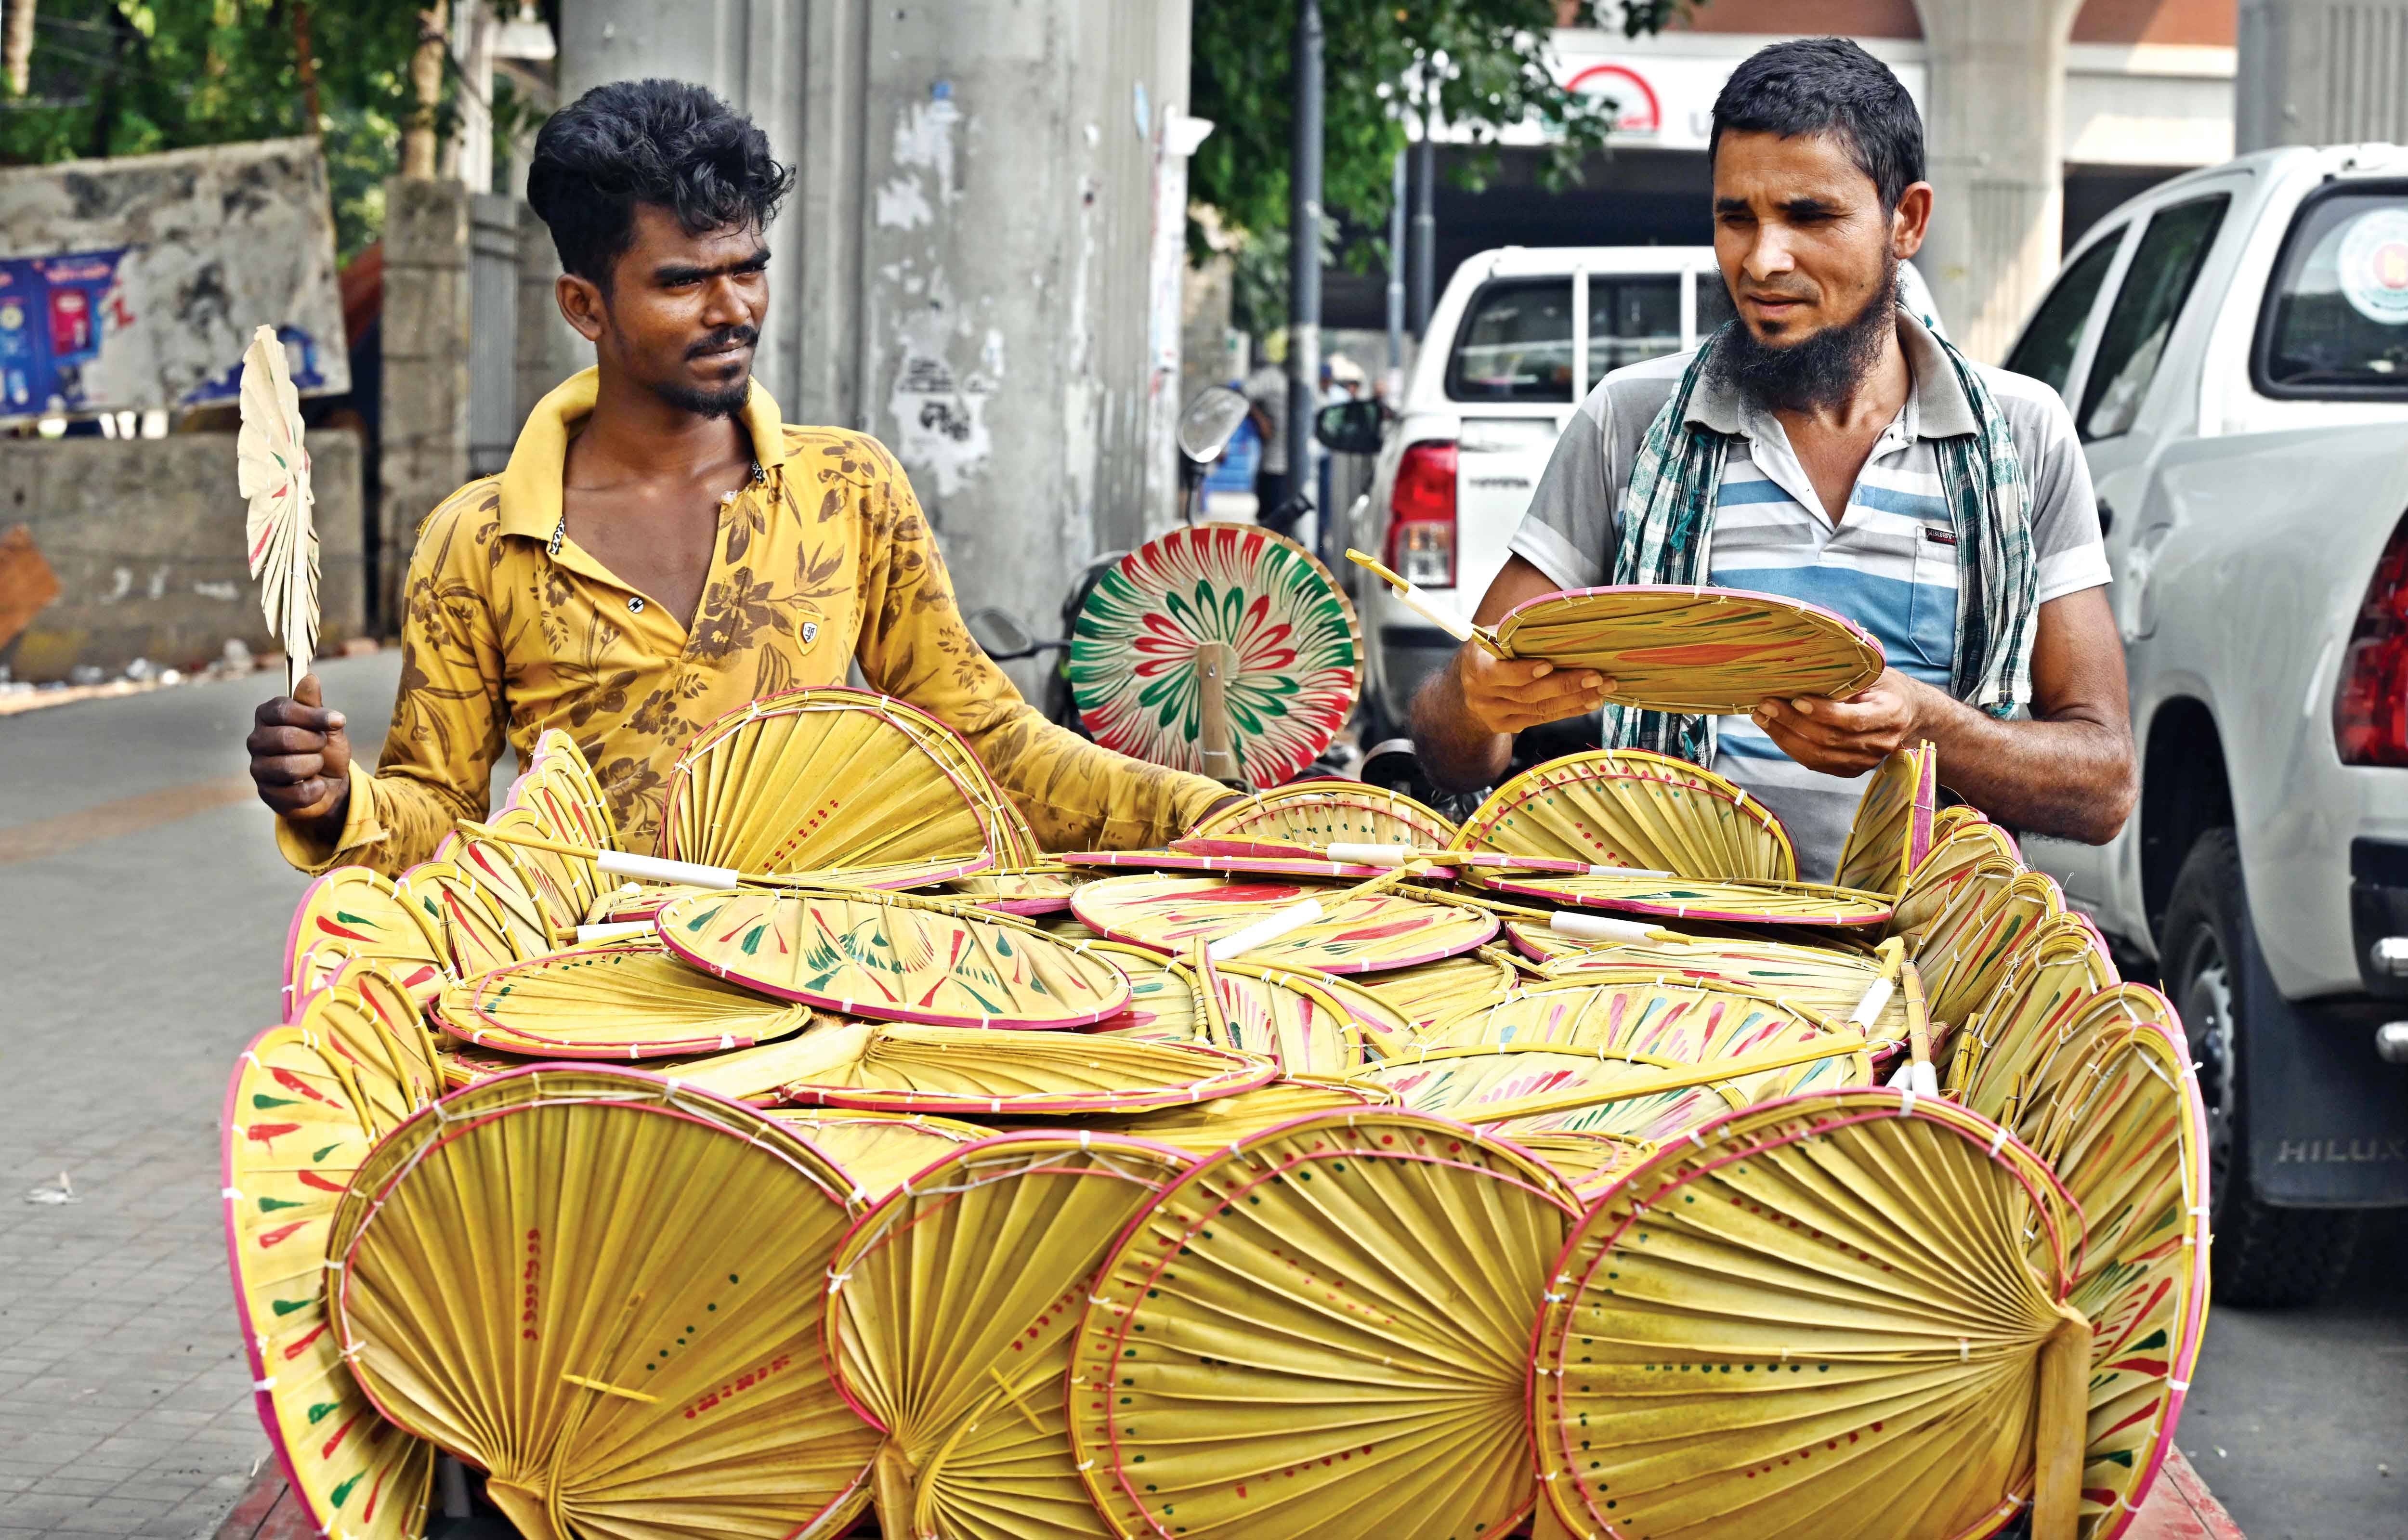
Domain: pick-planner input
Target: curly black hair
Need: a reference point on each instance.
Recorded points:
(647, 142)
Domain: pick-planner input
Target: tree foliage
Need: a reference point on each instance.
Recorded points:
(126, 77)
(1479, 65)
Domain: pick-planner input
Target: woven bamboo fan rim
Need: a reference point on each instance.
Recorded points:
(1716, 901)
(1093, 862)
(1615, 1092)
(1208, 1127)
(1508, 819)
(382, 1069)
(902, 1067)
(1326, 810)
(1215, 1388)
(2059, 966)
(1372, 934)
(1891, 832)
(778, 806)
(352, 912)
(1678, 647)
(630, 999)
(293, 1134)
(406, 1042)
(582, 1425)
(879, 1151)
(880, 956)
(922, 1327)
(1702, 1295)
(1287, 1016)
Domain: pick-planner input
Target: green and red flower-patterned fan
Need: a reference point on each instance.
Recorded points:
(1631, 809)
(352, 912)
(1826, 980)
(1165, 1002)
(293, 1133)
(1892, 831)
(1963, 952)
(1323, 1330)
(1232, 597)
(1367, 933)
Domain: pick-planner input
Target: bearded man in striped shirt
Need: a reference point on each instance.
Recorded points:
(1851, 457)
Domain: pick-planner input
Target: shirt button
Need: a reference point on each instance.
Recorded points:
(635, 604)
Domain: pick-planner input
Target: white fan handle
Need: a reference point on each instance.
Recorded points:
(655, 869)
(1587, 927)
(613, 931)
(1245, 938)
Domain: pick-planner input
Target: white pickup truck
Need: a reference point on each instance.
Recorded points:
(2233, 345)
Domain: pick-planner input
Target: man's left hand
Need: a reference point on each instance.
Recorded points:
(1846, 737)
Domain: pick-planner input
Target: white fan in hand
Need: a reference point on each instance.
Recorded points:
(274, 471)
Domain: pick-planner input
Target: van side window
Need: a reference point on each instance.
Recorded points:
(2048, 345)
(2172, 251)
(1515, 344)
(1631, 319)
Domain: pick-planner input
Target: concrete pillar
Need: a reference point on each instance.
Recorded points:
(549, 349)
(2317, 72)
(968, 265)
(425, 334)
(1996, 115)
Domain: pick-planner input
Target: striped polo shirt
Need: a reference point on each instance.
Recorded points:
(1888, 564)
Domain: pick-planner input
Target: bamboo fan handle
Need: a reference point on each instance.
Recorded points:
(1891, 955)
(1595, 927)
(2062, 1430)
(686, 874)
(615, 930)
(1430, 609)
(1278, 923)
(1920, 1073)
(1582, 1098)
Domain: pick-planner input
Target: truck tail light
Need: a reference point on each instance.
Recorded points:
(2370, 699)
(1421, 526)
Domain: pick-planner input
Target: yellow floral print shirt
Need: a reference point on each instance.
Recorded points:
(824, 559)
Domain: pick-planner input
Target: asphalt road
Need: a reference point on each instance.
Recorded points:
(144, 908)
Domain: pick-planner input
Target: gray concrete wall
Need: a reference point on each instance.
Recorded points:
(2317, 72)
(147, 538)
(426, 336)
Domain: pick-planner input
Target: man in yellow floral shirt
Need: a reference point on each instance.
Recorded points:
(663, 547)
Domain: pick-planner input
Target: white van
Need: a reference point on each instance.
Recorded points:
(1518, 338)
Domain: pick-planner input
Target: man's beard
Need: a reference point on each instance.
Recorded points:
(710, 401)
(1821, 369)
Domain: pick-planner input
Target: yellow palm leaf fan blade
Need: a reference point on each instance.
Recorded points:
(1819, 979)
(1383, 1028)
(1367, 932)
(826, 781)
(1725, 1349)
(2003, 1042)
(1631, 809)
(1322, 812)
(1206, 1128)
(272, 471)
(1464, 1082)
(874, 955)
(569, 773)
(339, 1018)
(476, 937)
(1589, 1163)
(564, 886)
(1017, 844)
(927, 1322)
(1165, 1001)
(613, 1000)
(1425, 993)
(293, 1134)
(399, 1024)
(624, 1362)
(1287, 1018)
(2108, 1097)
(1892, 829)
(879, 1151)
(1965, 952)
(1321, 1331)
(998, 1476)
(352, 912)
(1953, 859)
(899, 1067)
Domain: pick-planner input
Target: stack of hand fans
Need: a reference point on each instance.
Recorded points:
(1336, 1172)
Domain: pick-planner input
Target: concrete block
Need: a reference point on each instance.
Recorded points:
(425, 224)
(426, 396)
(426, 314)
(147, 539)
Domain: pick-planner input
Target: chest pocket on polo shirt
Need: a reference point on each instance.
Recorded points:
(1931, 611)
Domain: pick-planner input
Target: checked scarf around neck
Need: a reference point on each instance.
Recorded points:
(1667, 524)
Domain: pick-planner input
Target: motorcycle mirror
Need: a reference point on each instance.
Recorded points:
(1351, 427)
(999, 633)
(1207, 424)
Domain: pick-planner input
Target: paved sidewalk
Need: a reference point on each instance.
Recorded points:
(144, 908)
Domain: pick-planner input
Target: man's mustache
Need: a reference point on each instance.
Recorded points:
(721, 340)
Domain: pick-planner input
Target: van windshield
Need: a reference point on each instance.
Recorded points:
(2336, 315)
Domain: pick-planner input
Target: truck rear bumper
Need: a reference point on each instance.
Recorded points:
(2327, 1119)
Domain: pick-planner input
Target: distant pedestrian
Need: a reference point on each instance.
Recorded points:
(1266, 391)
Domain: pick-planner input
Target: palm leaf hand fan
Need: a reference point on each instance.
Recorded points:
(476, 935)
(564, 769)
(827, 782)
(1165, 1002)
(613, 1000)
(1703, 900)
(1326, 812)
(879, 1151)
(373, 1032)
(1963, 952)
(1025, 890)
(1208, 1127)
(1633, 810)
(880, 956)
(2103, 1090)
(1432, 991)
(293, 1133)
(1674, 648)
(1223, 649)
(1589, 1162)
(1892, 829)
(1825, 980)
(1321, 1331)
(1366, 934)
(1818, 1317)
(352, 912)
(960, 1362)
(1953, 857)
(2052, 973)
(1285, 1017)
(636, 1362)
(968, 1072)
(272, 470)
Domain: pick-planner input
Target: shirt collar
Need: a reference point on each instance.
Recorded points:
(531, 482)
(1936, 407)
